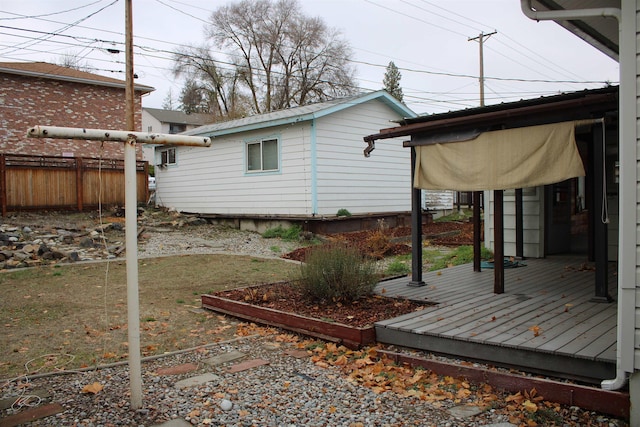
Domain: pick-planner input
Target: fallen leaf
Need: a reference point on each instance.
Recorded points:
(529, 406)
(93, 388)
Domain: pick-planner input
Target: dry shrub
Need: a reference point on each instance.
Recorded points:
(337, 272)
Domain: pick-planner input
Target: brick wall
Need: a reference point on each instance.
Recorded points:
(29, 101)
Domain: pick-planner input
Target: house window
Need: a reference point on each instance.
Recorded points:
(262, 156)
(177, 128)
(168, 156)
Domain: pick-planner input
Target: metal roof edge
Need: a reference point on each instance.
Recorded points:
(337, 105)
(387, 98)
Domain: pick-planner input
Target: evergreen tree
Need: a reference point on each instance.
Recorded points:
(167, 103)
(391, 81)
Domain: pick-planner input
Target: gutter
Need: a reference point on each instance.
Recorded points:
(624, 310)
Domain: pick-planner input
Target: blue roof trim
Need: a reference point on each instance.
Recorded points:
(298, 114)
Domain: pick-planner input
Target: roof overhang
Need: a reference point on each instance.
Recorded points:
(571, 106)
(74, 79)
(600, 30)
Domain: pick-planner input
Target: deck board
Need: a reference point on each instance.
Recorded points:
(553, 294)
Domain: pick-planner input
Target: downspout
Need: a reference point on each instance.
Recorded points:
(624, 273)
(314, 169)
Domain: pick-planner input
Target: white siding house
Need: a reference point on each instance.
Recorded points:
(301, 162)
(156, 120)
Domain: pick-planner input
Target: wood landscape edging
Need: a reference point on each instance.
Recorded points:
(351, 336)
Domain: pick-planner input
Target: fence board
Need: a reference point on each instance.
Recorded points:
(50, 183)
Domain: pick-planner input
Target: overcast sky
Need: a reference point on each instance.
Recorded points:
(427, 39)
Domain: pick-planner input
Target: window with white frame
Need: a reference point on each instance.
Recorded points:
(168, 156)
(262, 155)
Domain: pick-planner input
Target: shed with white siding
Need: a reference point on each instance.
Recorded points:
(301, 162)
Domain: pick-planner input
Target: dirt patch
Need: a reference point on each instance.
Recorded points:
(387, 242)
(71, 316)
(359, 313)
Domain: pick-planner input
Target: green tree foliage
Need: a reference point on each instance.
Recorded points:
(391, 81)
(266, 55)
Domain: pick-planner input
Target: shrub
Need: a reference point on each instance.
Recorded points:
(337, 272)
(343, 212)
(461, 255)
(397, 267)
(288, 234)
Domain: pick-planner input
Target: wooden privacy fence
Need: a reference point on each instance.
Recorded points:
(65, 183)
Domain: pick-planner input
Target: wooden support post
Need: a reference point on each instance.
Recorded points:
(498, 232)
(519, 225)
(79, 187)
(3, 183)
(600, 220)
(477, 241)
(416, 228)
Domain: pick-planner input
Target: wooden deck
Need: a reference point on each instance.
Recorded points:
(544, 322)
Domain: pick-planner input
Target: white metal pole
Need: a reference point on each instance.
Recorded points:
(130, 140)
(131, 244)
(131, 225)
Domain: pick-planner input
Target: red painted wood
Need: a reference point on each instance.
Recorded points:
(594, 399)
(348, 335)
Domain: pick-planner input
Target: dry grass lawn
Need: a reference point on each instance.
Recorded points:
(70, 316)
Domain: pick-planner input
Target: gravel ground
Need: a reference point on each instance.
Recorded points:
(287, 391)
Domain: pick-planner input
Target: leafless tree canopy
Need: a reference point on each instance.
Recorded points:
(266, 55)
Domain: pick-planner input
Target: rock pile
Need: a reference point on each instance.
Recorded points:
(26, 247)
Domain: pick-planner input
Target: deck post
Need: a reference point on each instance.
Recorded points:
(519, 225)
(416, 228)
(600, 221)
(498, 233)
(477, 241)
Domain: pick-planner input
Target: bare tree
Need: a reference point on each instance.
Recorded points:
(275, 57)
(73, 60)
(217, 86)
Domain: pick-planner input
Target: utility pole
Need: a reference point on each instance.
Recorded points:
(477, 194)
(480, 40)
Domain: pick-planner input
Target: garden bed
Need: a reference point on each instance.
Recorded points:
(282, 305)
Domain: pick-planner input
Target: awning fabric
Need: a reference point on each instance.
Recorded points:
(500, 160)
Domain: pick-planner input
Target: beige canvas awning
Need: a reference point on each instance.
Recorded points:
(500, 160)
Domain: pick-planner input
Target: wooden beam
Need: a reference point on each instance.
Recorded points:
(79, 187)
(600, 219)
(498, 233)
(416, 228)
(477, 241)
(519, 225)
(3, 183)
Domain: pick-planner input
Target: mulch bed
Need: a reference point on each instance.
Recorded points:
(360, 313)
(383, 243)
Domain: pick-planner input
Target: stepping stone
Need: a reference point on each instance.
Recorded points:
(31, 415)
(7, 403)
(247, 365)
(197, 380)
(298, 354)
(465, 411)
(178, 369)
(224, 358)
(271, 345)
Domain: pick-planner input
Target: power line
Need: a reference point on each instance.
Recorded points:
(52, 13)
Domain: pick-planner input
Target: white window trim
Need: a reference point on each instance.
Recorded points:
(167, 152)
(262, 170)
